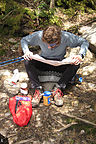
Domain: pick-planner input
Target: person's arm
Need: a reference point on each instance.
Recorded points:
(32, 40)
(74, 41)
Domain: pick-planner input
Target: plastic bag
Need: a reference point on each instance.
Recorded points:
(21, 109)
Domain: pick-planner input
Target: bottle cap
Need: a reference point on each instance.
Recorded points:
(24, 85)
(47, 93)
(16, 71)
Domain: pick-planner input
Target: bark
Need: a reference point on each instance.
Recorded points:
(52, 3)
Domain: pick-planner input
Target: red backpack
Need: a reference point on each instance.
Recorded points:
(21, 109)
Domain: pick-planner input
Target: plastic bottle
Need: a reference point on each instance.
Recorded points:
(24, 89)
(15, 77)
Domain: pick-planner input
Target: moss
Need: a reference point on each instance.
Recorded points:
(2, 52)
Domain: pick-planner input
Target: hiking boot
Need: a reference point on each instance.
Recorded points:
(37, 97)
(62, 86)
(57, 95)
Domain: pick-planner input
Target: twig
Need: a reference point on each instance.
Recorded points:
(83, 120)
(38, 17)
(89, 22)
(7, 15)
(24, 141)
(28, 2)
(11, 135)
(65, 127)
(60, 122)
(77, 118)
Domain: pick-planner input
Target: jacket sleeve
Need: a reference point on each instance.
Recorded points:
(32, 39)
(74, 41)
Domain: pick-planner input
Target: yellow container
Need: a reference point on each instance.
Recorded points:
(46, 98)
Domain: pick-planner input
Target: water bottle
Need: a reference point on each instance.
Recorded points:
(15, 77)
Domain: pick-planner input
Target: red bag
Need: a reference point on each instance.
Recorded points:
(21, 109)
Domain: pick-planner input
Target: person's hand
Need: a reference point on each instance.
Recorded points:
(76, 59)
(28, 55)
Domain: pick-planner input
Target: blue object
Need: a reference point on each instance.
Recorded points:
(11, 61)
(23, 98)
(51, 45)
(47, 93)
(79, 78)
(46, 100)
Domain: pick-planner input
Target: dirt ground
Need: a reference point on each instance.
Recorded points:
(73, 123)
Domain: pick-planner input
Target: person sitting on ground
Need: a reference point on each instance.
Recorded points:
(53, 43)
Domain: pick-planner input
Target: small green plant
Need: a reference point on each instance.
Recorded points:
(11, 17)
(55, 20)
(2, 52)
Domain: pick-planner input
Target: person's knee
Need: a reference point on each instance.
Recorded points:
(76, 67)
(26, 62)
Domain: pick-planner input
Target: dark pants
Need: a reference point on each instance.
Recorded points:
(33, 68)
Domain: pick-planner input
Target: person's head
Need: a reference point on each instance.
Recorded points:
(52, 36)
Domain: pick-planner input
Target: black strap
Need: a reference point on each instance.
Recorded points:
(18, 103)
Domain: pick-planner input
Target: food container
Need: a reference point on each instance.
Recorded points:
(46, 98)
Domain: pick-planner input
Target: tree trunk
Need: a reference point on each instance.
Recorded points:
(52, 3)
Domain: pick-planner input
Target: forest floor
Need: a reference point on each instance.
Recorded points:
(73, 123)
